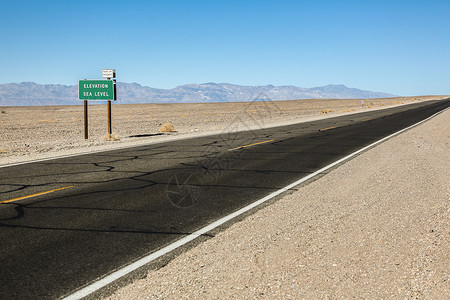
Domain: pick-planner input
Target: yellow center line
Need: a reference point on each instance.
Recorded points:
(240, 147)
(37, 194)
(366, 120)
(323, 129)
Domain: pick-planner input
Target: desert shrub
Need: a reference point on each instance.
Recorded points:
(325, 111)
(167, 127)
(111, 137)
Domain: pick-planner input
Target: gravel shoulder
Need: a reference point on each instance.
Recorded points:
(375, 227)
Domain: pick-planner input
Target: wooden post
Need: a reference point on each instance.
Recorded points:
(85, 119)
(109, 115)
(109, 118)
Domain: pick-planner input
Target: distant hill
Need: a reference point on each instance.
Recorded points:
(32, 94)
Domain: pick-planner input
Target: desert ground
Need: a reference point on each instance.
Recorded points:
(29, 133)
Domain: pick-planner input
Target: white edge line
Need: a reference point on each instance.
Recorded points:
(95, 286)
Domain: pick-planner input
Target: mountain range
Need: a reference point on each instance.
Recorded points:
(33, 94)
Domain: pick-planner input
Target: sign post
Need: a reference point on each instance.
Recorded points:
(108, 74)
(85, 120)
(109, 118)
(98, 90)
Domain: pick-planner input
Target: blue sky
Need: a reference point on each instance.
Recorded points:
(400, 47)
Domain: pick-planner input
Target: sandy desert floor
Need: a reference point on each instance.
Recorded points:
(28, 133)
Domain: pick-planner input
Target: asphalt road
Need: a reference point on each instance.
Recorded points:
(103, 210)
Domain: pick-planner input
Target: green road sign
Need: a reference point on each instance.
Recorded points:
(96, 90)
